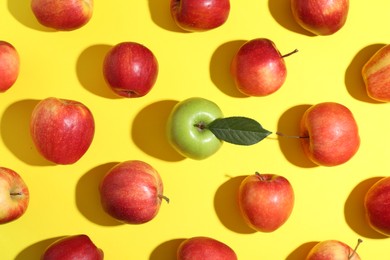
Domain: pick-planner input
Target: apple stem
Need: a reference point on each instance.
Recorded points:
(356, 247)
(162, 197)
(290, 53)
(15, 193)
(290, 136)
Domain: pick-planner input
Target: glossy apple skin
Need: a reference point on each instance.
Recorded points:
(258, 68)
(332, 136)
(9, 65)
(130, 69)
(14, 195)
(265, 201)
(62, 130)
(73, 247)
(64, 15)
(189, 140)
(131, 192)
(332, 249)
(204, 248)
(199, 15)
(376, 75)
(376, 206)
(320, 17)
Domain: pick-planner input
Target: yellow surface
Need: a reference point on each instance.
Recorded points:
(64, 199)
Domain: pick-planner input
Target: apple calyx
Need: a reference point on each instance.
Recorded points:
(201, 126)
(290, 53)
(128, 93)
(355, 249)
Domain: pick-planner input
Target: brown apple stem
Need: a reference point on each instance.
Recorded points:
(15, 193)
(356, 247)
(162, 197)
(290, 53)
(290, 136)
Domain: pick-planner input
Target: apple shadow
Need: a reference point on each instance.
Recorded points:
(281, 12)
(88, 197)
(89, 69)
(36, 250)
(161, 15)
(226, 206)
(167, 250)
(302, 251)
(15, 132)
(354, 210)
(22, 12)
(353, 74)
(289, 124)
(148, 131)
(220, 68)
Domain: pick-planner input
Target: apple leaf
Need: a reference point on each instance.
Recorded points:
(238, 130)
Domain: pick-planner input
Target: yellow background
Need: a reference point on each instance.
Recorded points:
(64, 199)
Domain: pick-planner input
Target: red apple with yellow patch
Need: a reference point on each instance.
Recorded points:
(265, 201)
(376, 75)
(132, 192)
(14, 195)
(62, 15)
(320, 17)
(9, 65)
(258, 68)
(73, 247)
(333, 249)
(376, 204)
(329, 134)
(62, 129)
(204, 248)
(130, 69)
(199, 15)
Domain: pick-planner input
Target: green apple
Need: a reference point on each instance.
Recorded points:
(187, 128)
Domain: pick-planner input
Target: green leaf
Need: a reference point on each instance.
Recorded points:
(238, 130)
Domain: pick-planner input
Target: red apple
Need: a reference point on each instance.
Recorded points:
(329, 134)
(9, 65)
(130, 69)
(204, 248)
(333, 249)
(131, 192)
(72, 248)
(376, 204)
(62, 130)
(258, 68)
(199, 15)
(321, 17)
(376, 75)
(62, 14)
(14, 195)
(265, 201)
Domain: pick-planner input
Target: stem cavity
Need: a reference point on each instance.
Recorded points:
(201, 125)
(260, 176)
